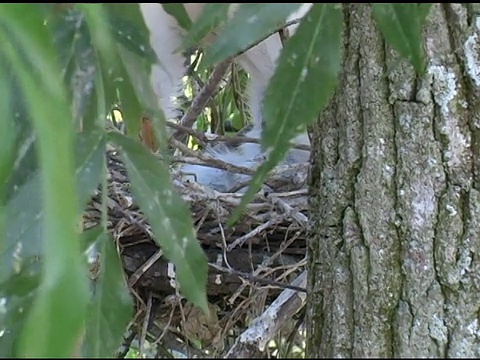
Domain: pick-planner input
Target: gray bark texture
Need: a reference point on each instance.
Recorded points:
(394, 245)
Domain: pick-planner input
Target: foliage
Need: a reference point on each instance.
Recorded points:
(63, 67)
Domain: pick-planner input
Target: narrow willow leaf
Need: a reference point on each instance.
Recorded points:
(90, 237)
(16, 118)
(112, 306)
(18, 294)
(305, 79)
(106, 50)
(132, 36)
(25, 214)
(79, 63)
(138, 71)
(401, 25)
(168, 215)
(95, 15)
(119, 91)
(250, 23)
(89, 162)
(212, 16)
(51, 328)
(178, 11)
(55, 340)
(128, 28)
(8, 135)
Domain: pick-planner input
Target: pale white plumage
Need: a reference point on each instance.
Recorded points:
(259, 62)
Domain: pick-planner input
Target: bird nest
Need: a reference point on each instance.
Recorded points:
(251, 264)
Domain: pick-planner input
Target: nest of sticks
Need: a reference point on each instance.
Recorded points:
(251, 264)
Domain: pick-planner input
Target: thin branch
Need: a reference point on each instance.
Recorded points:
(260, 280)
(252, 234)
(229, 140)
(267, 325)
(143, 269)
(211, 160)
(199, 102)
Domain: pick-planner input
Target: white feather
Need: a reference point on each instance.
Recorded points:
(246, 155)
(259, 62)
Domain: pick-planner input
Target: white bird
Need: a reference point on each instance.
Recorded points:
(259, 62)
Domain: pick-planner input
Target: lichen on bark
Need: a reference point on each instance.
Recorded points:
(394, 243)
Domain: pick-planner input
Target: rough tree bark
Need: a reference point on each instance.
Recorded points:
(394, 250)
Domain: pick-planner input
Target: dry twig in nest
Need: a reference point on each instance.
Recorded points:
(251, 263)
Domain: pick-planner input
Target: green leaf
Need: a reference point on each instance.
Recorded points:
(90, 237)
(79, 64)
(212, 16)
(25, 225)
(138, 71)
(401, 25)
(51, 328)
(89, 160)
(18, 293)
(256, 21)
(24, 154)
(129, 58)
(309, 67)
(168, 215)
(136, 35)
(118, 90)
(112, 306)
(8, 135)
(95, 15)
(130, 35)
(178, 11)
(25, 214)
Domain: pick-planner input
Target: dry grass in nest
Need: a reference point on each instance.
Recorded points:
(250, 264)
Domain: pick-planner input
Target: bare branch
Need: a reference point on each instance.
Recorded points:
(202, 98)
(198, 104)
(267, 325)
(229, 140)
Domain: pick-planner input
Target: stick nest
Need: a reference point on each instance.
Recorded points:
(249, 263)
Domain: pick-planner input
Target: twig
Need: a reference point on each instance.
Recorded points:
(229, 140)
(285, 243)
(293, 193)
(265, 264)
(206, 195)
(284, 36)
(290, 211)
(142, 270)
(166, 327)
(260, 280)
(224, 242)
(146, 320)
(128, 338)
(211, 160)
(241, 240)
(199, 102)
(270, 322)
(293, 333)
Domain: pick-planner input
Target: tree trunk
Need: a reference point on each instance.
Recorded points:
(394, 249)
